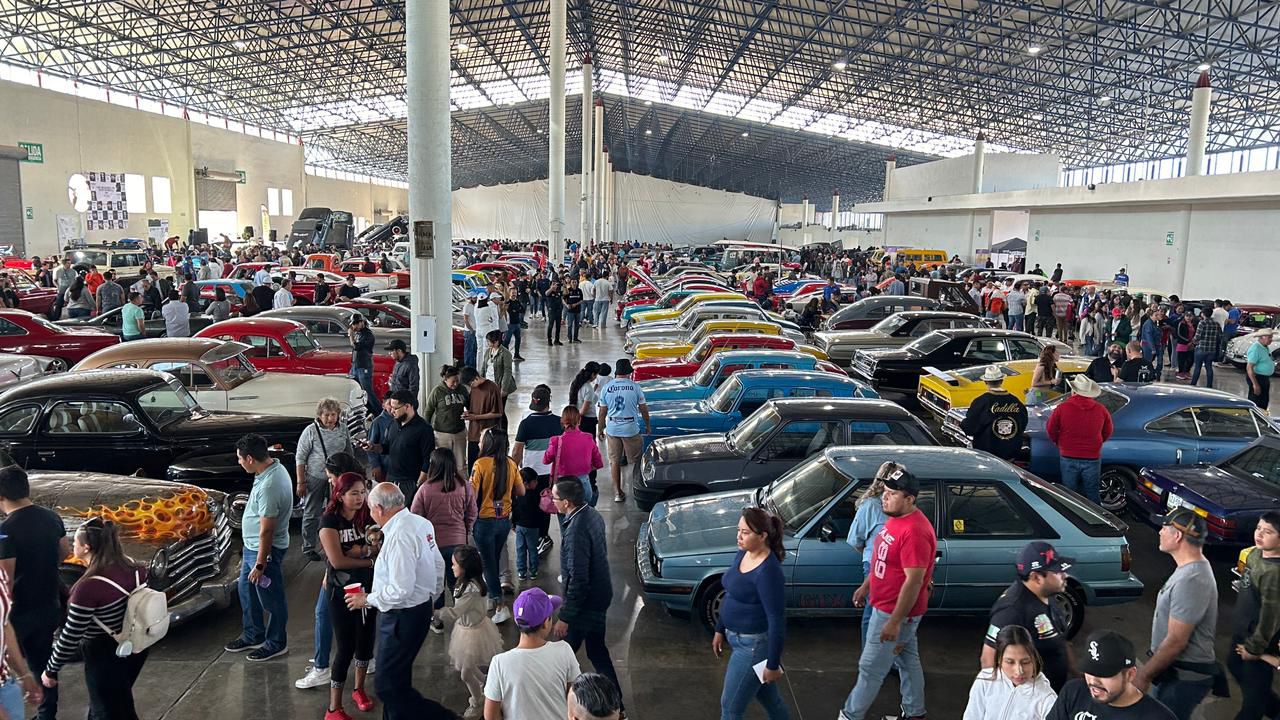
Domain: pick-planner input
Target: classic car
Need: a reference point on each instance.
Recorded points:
(16, 369)
(685, 305)
(985, 511)
(720, 367)
(381, 314)
(1238, 347)
(666, 300)
(1230, 495)
(892, 332)
(328, 325)
(940, 390)
(769, 442)
(322, 227)
(235, 290)
(127, 422)
(182, 533)
(797, 303)
(397, 296)
(246, 270)
(26, 334)
(287, 346)
(305, 281)
(688, 364)
(668, 330)
(112, 321)
(679, 347)
(743, 394)
(1154, 424)
(900, 370)
(220, 377)
(31, 297)
(870, 310)
(367, 270)
(129, 261)
(510, 270)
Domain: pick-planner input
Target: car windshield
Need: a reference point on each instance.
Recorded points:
(699, 353)
(722, 400)
(801, 493)
(168, 403)
(1110, 400)
(88, 257)
(890, 324)
(671, 300)
(707, 372)
(301, 342)
(1260, 462)
(232, 371)
(755, 430)
(928, 343)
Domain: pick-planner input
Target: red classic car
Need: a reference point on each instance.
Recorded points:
(245, 271)
(511, 269)
(361, 268)
(678, 367)
(396, 316)
(287, 346)
(31, 297)
(27, 334)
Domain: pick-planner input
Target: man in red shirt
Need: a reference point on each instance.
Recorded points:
(898, 590)
(1079, 426)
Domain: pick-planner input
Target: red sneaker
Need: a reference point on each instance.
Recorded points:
(338, 714)
(362, 701)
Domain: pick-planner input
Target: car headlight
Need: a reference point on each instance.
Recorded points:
(159, 567)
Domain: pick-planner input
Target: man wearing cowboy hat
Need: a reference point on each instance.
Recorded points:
(1259, 368)
(1078, 426)
(996, 419)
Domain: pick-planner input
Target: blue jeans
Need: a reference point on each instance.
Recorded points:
(1198, 359)
(364, 376)
(601, 312)
(255, 600)
(588, 306)
(1016, 322)
(491, 541)
(866, 609)
(77, 312)
(588, 492)
(1081, 476)
(324, 631)
(574, 319)
(1182, 697)
(513, 331)
(1155, 356)
(11, 699)
(877, 657)
(527, 550)
(741, 685)
(469, 348)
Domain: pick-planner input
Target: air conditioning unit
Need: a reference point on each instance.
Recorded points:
(205, 173)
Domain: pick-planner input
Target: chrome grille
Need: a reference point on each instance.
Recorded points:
(938, 403)
(195, 560)
(356, 420)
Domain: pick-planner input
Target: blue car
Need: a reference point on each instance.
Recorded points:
(468, 283)
(744, 393)
(721, 366)
(1230, 495)
(985, 511)
(1155, 424)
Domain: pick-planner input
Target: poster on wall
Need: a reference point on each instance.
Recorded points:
(68, 229)
(157, 230)
(107, 202)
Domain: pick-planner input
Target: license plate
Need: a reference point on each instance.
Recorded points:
(1174, 502)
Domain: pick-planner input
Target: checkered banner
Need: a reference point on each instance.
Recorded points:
(107, 208)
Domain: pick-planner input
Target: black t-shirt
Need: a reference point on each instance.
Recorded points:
(322, 292)
(996, 421)
(1100, 370)
(264, 296)
(408, 449)
(1044, 304)
(350, 535)
(350, 292)
(573, 299)
(1137, 370)
(32, 537)
(1075, 703)
(554, 300)
(1019, 606)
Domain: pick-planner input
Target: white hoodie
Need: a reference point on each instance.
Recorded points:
(996, 698)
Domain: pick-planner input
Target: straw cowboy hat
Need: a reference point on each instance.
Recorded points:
(1084, 385)
(993, 375)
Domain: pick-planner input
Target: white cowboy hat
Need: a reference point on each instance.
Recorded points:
(1085, 386)
(992, 375)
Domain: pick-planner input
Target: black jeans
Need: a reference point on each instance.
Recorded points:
(553, 325)
(1257, 700)
(400, 637)
(354, 632)
(597, 651)
(449, 580)
(109, 679)
(35, 637)
(1261, 399)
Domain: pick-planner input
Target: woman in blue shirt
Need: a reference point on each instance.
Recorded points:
(866, 523)
(753, 619)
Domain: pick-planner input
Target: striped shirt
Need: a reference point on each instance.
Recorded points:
(92, 599)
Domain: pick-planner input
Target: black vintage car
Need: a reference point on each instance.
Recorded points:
(131, 422)
(768, 443)
(112, 321)
(900, 370)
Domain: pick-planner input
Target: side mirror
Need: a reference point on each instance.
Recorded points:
(827, 531)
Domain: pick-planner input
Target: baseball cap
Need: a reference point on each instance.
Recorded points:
(1107, 653)
(1185, 520)
(902, 481)
(534, 606)
(1039, 556)
(398, 344)
(540, 398)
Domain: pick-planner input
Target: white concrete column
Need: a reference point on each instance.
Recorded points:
(588, 149)
(776, 237)
(610, 203)
(979, 162)
(555, 134)
(430, 208)
(1199, 131)
(890, 165)
(804, 214)
(597, 137)
(835, 215)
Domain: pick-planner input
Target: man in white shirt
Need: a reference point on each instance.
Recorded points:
(177, 317)
(487, 316)
(532, 679)
(603, 293)
(283, 297)
(408, 575)
(588, 300)
(262, 276)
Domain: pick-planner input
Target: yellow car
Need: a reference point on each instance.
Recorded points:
(706, 329)
(683, 305)
(940, 391)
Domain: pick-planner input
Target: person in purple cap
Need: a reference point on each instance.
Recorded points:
(531, 681)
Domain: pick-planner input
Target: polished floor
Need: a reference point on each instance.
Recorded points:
(665, 663)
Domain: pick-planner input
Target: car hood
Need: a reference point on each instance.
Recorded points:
(693, 448)
(882, 355)
(274, 427)
(668, 389)
(148, 512)
(1217, 486)
(698, 525)
(677, 408)
(854, 338)
(284, 388)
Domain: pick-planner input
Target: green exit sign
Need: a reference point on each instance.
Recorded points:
(35, 152)
(244, 177)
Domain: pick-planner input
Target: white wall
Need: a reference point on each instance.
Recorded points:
(954, 176)
(1008, 224)
(1095, 243)
(956, 233)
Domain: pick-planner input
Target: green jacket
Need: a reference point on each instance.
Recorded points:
(443, 409)
(503, 369)
(1259, 625)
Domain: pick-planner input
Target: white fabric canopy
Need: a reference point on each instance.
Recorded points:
(647, 209)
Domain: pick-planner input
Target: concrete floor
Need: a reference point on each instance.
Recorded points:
(665, 663)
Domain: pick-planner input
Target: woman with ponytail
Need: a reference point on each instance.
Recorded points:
(752, 618)
(99, 598)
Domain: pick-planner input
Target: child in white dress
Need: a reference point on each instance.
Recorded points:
(474, 639)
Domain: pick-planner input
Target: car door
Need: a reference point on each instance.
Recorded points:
(826, 569)
(986, 350)
(103, 429)
(1223, 431)
(1169, 440)
(1020, 349)
(984, 526)
(788, 446)
(17, 433)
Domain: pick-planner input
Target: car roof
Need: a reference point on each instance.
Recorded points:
(925, 462)
(279, 325)
(189, 348)
(78, 384)
(729, 355)
(1167, 392)
(918, 314)
(309, 311)
(779, 375)
(984, 332)
(869, 408)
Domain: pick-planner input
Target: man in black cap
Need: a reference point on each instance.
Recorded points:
(404, 375)
(1107, 690)
(533, 436)
(361, 339)
(1042, 573)
(996, 419)
(1183, 666)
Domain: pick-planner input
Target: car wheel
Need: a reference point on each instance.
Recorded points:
(1070, 604)
(709, 603)
(1114, 482)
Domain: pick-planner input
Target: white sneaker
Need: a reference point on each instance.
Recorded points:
(314, 678)
(373, 663)
(503, 615)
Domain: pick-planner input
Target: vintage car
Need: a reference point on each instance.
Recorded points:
(893, 332)
(681, 308)
(112, 321)
(305, 281)
(642, 297)
(328, 325)
(128, 260)
(128, 422)
(472, 284)
(985, 511)
(220, 377)
(900, 370)
(1238, 347)
(17, 369)
(940, 390)
(234, 290)
(366, 270)
(31, 297)
(668, 299)
(1230, 495)
(381, 314)
(246, 270)
(26, 334)
(743, 394)
(668, 330)
(181, 533)
(797, 303)
(721, 366)
(870, 310)
(397, 296)
(679, 367)
(769, 442)
(679, 347)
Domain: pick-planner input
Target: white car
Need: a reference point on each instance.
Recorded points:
(15, 369)
(1238, 348)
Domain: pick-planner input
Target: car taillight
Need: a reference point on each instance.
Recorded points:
(1223, 526)
(1126, 558)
